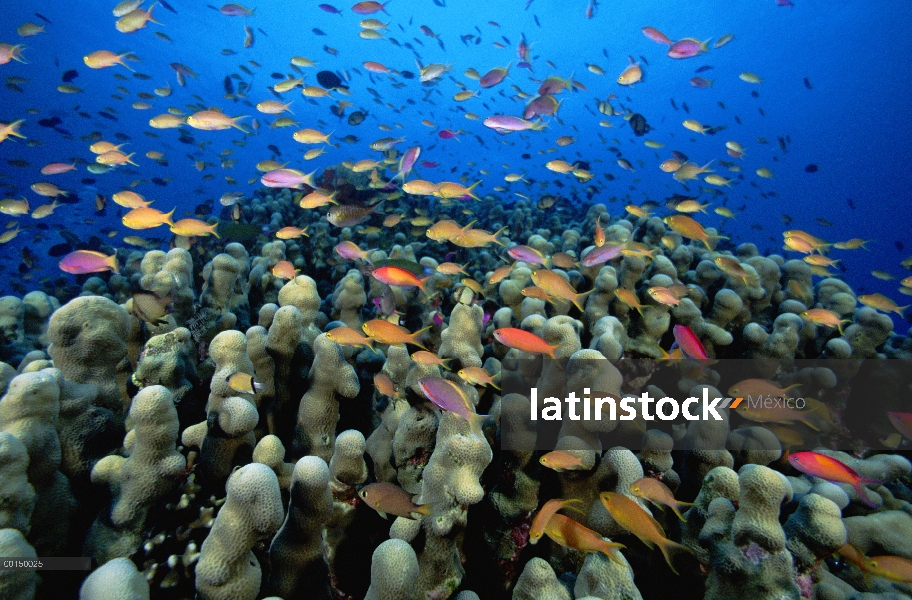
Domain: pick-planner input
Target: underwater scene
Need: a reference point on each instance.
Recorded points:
(429, 299)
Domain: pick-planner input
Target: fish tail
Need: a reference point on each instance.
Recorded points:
(423, 509)
(677, 512)
(551, 350)
(414, 337)
(496, 236)
(861, 492)
(214, 232)
(606, 549)
(577, 300)
(475, 422)
(168, 219)
(112, 262)
(670, 548)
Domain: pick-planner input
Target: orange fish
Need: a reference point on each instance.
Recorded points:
(549, 510)
(637, 520)
(569, 533)
(563, 460)
(525, 341)
(399, 277)
(658, 493)
(388, 333)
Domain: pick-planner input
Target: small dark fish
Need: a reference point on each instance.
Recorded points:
(107, 115)
(122, 136)
(277, 76)
(673, 105)
(807, 83)
(812, 168)
(685, 107)
(18, 162)
(328, 80)
(851, 203)
(159, 181)
(639, 125)
(407, 74)
(142, 76)
(899, 245)
(703, 69)
(318, 31)
(87, 181)
(69, 75)
(52, 122)
(228, 85)
(356, 118)
(755, 94)
(43, 18)
(760, 110)
(59, 250)
(167, 6)
(440, 3)
(643, 58)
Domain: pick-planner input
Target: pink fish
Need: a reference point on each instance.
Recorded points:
(656, 36)
(236, 10)
(601, 255)
(447, 396)
(369, 8)
(527, 254)
(545, 105)
(689, 343)
(508, 123)
(687, 48)
(784, 3)
(288, 178)
(826, 467)
(522, 50)
(81, 262)
(437, 318)
(493, 77)
(408, 161)
(429, 164)
(446, 134)
(699, 82)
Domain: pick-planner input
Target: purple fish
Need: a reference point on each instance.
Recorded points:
(687, 48)
(408, 161)
(446, 134)
(429, 164)
(699, 82)
(598, 256)
(508, 123)
(449, 397)
(330, 9)
(527, 254)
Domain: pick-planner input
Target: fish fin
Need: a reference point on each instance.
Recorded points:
(424, 509)
(677, 513)
(607, 551)
(861, 492)
(668, 548)
(577, 300)
(475, 422)
(383, 514)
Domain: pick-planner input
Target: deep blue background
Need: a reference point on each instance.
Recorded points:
(854, 123)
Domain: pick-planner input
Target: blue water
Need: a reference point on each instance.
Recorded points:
(854, 123)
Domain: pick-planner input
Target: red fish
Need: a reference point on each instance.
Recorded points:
(689, 343)
(827, 467)
(525, 341)
(446, 134)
